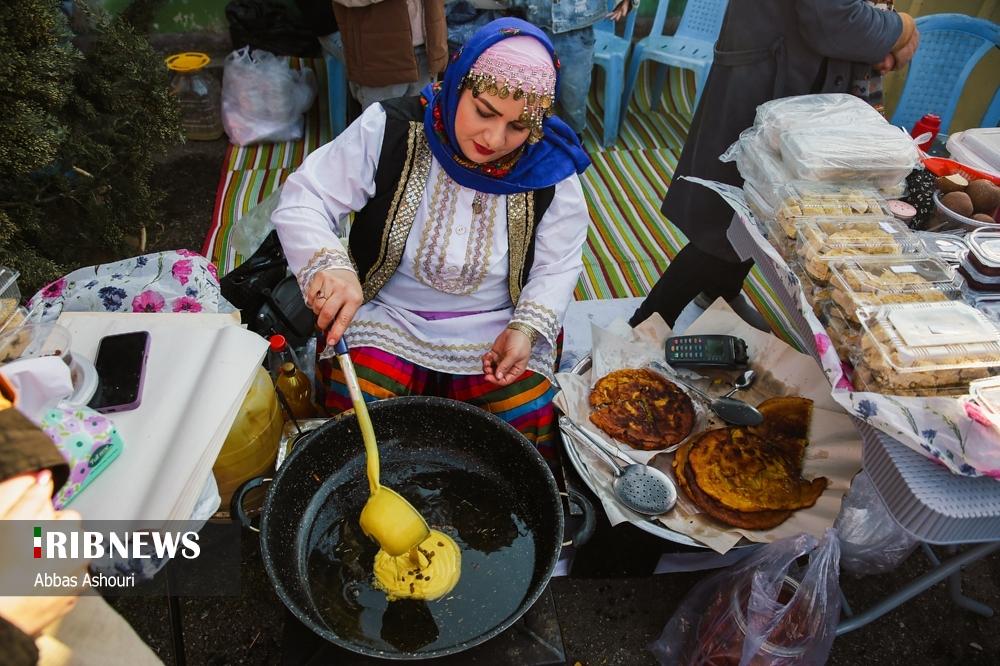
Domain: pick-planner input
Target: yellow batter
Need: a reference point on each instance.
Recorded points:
(440, 565)
(428, 570)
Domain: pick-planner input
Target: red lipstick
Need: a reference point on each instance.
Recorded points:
(482, 150)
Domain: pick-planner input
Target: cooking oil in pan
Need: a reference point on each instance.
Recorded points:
(497, 567)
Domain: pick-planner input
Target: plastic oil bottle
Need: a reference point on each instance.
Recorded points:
(198, 94)
(289, 380)
(251, 446)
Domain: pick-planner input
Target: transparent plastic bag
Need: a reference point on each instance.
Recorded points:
(263, 99)
(755, 160)
(778, 116)
(764, 611)
(871, 541)
(879, 154)
(255, 225)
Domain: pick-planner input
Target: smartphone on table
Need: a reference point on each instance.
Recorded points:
(121, 366)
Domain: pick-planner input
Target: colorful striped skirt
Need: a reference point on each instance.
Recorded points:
(526, 403)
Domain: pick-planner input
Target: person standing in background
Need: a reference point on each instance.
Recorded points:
(767, 49)
(570, 26)
(392, 48)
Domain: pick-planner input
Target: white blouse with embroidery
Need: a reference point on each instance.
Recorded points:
(455, 259)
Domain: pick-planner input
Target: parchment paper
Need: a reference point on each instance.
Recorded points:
(834, 449)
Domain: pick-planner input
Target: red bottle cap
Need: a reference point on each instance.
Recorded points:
(277, 343)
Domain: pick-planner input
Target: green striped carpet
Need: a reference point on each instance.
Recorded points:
(629, 243)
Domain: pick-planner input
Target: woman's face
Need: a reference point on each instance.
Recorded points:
(489, 128)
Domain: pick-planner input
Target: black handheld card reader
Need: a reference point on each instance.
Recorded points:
(723, 351)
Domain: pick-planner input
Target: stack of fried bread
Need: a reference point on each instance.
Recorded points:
(641, 408)
(751, 477)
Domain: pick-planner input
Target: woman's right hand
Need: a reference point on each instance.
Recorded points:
(334, 296)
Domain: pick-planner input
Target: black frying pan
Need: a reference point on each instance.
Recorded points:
(468, 472)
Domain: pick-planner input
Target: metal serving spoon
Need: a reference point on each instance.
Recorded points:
(738, 412)
(642, 488)
(729, 409)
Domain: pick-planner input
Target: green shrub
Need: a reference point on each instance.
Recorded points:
(80, 132)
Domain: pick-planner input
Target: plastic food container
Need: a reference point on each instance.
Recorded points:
(781, 242)
(10, 295)
(949, 248)
(845, 335)
(35, 340)
(986, 392)
(877, 153)
(984, 251)
(987, 303)
(976, 281)
(926, 348)
(948, 219)
(828, 239)
(810, 200)
(758, 205)
(873, 281)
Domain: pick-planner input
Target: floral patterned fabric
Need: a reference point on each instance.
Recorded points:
(174, 281)
(952, 431)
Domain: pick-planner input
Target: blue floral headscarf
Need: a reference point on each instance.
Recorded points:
(557, 156)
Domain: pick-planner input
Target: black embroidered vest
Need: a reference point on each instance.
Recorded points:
(380, 229)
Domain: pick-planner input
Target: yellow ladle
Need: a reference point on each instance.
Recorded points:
(386, 517)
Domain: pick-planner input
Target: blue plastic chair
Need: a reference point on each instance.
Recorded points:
(950, 47)
(692, 47)
(336, 83)
(992, 116)
(611, 52)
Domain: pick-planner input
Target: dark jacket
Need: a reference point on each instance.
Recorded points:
(378, 42)
(24, 448)
(767, 49)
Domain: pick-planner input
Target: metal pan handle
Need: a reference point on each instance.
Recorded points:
(586, 529)
(236, 503)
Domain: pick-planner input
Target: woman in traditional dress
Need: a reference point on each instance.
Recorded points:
(467, 237)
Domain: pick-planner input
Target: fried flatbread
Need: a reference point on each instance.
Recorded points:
(642, 409)
(786, 423)
(751, 520)
(745, 472)
(747, 520)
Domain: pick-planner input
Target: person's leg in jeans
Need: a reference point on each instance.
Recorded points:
(691, 272)
(575, 50)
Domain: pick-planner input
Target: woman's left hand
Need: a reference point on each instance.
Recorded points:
(508, 359)
(620, 11)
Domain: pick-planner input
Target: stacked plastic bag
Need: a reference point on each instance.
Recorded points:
(831, 138)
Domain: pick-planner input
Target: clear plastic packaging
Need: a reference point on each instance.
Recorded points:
(755, 160)
(984, 251)
(926, 348)
(824, 240)
(802, 200)
(10, 295)
(765, 610)
(876, 153)
(198, 95)
(977, 281)
(986, 392)
(873, 281)
(871, 541)
(987, 303)
(829, 110)
(949, 248)
(759, 206)
(946, 219)
(845, 336)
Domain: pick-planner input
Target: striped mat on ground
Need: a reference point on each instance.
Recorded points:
(630, 242)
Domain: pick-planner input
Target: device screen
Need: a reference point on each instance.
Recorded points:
(120, 363)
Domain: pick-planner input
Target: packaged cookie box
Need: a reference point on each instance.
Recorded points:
(872, 281)
(925, 348)
(844, 334)
(804, 200)
(824, 240)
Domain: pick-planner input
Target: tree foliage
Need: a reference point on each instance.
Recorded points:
(80, 132)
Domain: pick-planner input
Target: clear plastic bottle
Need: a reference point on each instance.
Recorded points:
(198, 94)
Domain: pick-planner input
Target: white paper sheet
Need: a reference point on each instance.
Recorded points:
(198, 371)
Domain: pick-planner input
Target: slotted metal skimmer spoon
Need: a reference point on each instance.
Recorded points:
(642, 488)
